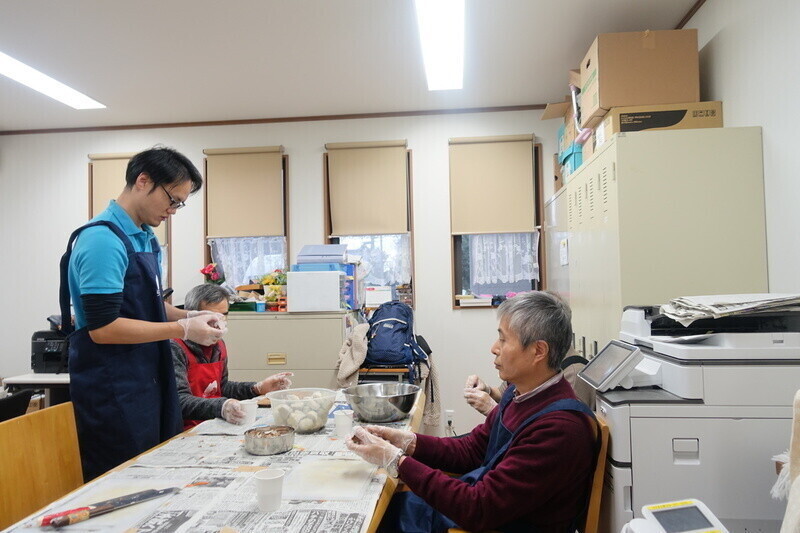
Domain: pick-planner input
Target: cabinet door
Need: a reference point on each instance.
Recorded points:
(281, 343)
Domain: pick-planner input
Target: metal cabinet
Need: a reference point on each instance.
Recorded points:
(308, 344)
(656, 215)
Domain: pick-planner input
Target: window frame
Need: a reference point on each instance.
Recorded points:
(285, 185)
(328, 223)
(456, 256)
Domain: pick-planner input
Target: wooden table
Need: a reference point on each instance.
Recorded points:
(385, 496)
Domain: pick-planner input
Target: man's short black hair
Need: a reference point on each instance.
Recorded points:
(165, 166)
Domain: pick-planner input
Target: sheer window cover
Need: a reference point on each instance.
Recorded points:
(504, 257)
(243, 258)
(386, 258)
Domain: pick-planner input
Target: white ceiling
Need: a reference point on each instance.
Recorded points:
(167, 61)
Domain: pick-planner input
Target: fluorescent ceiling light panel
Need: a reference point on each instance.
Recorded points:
(441, 34)
(46, 85)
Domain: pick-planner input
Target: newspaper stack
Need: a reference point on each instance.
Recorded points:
(687, 309)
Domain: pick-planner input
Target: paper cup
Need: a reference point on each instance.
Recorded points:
(250, 407)
(343, 420)
(269, 489)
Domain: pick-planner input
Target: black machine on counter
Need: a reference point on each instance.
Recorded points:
(50, 349)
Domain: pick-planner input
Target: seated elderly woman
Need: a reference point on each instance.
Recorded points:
(201, 372)
(528, 467)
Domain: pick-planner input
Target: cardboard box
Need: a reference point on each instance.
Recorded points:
(638, 68)
(660, 117)
(559, 181)
(567, 132)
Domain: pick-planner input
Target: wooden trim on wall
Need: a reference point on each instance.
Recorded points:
(326, 201)
(206, 247)
(410, 204)
(538, 187)
(689, 14)
(286, 210)
(313, 118)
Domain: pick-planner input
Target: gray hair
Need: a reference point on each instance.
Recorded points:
(207, 293)
(540, 315)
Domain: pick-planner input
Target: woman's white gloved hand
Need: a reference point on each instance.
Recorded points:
(371, 448)
(275, 382)
(479, 400)
(233, 412)
(405, 440)
(475, 382)
(204, 329)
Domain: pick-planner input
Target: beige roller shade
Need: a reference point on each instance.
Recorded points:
(107, 182)
(244, 192)
(368, 188)
(492, 185)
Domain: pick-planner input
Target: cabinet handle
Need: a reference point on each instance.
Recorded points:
(276, 358)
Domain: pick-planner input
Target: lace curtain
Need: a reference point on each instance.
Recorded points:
(504, 257)
(243, 258)
(164, 266)
(385, 258)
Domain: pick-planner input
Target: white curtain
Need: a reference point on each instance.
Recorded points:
(503, 257)
(244, 258)
(386, 258)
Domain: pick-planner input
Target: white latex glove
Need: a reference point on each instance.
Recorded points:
(275, 382)
(190, 314)
(405, 440)
(233, 412)
(475, 382)
(203, 329)
(371, 448)
(479, 400)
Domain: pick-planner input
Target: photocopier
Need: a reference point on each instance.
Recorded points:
(697, 412)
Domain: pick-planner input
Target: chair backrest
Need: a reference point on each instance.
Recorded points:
(15, 405)
(593, 511)
(40, 461)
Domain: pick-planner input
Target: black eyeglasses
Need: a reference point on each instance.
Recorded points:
(173, 203)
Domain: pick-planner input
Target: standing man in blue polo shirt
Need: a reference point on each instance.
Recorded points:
(122, 381)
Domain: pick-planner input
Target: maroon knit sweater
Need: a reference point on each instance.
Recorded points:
(542, 479)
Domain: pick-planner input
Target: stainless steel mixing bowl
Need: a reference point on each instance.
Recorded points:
(381, 402)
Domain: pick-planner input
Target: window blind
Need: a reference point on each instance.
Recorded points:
(492, 185)
(106, 182)
(245, 194)
(368, 188)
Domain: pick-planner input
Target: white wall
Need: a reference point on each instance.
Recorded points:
(748, 59)
(43, 197)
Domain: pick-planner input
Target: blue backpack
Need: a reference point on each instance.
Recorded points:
(391, 338)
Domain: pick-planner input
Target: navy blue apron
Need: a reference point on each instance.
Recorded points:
(125, 396)
(409, 513)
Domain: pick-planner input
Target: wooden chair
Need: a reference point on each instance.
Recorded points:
(40, 461)
(592, 523)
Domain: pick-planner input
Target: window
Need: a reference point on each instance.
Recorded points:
(106, 181)
(246, 239)
(493, 217)
(376, 227)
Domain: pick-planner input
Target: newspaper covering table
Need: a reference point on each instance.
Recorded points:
(217, 490)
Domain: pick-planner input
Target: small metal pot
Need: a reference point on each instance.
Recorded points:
(268, 440)
(381, 402)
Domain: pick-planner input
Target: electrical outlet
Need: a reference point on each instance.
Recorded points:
(448, 414)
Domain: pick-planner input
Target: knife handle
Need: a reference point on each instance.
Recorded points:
(71, 518)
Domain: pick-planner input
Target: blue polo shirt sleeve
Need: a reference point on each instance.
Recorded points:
(99, 262)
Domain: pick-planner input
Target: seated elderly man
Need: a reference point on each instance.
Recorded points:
(201, 372)
(527, 468)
